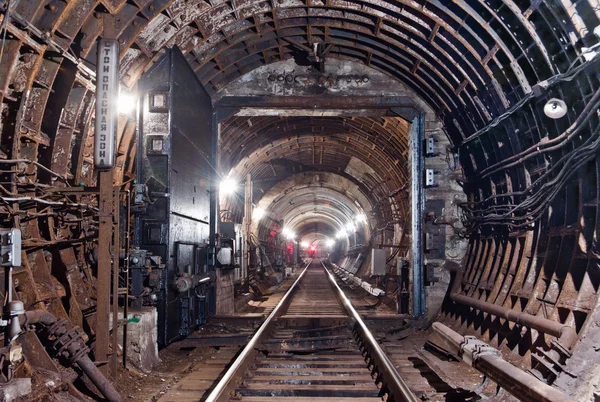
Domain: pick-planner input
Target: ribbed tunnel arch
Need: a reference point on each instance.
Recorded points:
(484, 68)
(335, 166)
(316, 205)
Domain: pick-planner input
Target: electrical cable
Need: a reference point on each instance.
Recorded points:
(567, 76)
(42, 201)
(522, 215)
(39, 165)
(544, 146)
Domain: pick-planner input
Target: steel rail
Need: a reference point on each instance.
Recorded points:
(391, 379)
(222, 389)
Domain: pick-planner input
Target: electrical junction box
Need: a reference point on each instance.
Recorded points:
(377, 262)
(10, 240)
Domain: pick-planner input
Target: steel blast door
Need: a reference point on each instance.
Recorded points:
(175, 158)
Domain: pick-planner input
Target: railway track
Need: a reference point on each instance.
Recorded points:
(313, 347)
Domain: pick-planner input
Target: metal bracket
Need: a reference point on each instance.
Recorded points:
(429, 178)
(472, 348)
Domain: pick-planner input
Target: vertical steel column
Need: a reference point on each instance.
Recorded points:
(127, 259)
(214, 193)
(104, 268)
(246, 226)
(418, 206)
(115, 282)
(107, 84)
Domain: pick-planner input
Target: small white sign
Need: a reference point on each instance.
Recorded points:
(107, 113)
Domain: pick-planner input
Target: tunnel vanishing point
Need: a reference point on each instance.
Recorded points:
(167, 165)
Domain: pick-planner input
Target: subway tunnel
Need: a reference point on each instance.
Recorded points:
(441, 157)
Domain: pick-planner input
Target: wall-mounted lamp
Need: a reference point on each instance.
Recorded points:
(555, 108)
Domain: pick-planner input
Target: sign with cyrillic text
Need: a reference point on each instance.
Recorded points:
(107, 113)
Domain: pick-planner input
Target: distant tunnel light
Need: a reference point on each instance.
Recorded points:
(126, 103)
(360, 218)
(258, 213)
(304, 244)
(341, 233)
(288, 233)
(330, 242)
(350, 228)
(228, 186)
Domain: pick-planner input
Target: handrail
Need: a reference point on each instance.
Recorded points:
(239, 363)
(392, 380)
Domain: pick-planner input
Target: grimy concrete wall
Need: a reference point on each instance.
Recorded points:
(225, 304)
(442, 223)
(142, 337)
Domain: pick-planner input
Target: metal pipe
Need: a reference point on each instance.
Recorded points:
(106, 200)
(74, 349)
(187, 282)
(115, 282)
(489, 362)
(418, 206)
(565, 334)
(518, 382)
(219, 392)
(396, 385)
(127, 262)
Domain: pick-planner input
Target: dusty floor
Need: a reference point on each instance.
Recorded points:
(187, 373)
(179, 359)
(175, 365)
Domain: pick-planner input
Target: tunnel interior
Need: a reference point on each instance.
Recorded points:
(459, 137)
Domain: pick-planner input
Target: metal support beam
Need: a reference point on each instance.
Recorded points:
(104, 268)
(126, 274)
(418, 204)
(246, 227)
(214, 193)
(115, 284)
(104, 156)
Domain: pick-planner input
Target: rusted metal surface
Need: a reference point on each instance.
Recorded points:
(105, 238)
(489, 361)
(69, 343)
(116, 271)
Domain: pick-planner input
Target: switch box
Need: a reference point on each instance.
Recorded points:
(429, 146)
(378, 262)
(10, 245)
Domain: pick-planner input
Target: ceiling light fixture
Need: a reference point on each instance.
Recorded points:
(228, 186)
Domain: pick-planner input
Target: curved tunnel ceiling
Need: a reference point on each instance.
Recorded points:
(322, 202)
(470, 60)
(449, 52)
(368, 154)
(487, 68)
